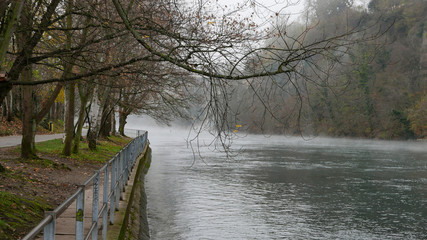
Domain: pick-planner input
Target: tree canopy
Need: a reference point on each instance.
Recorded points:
(334, 71)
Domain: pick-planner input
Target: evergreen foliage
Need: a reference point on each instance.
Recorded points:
(378, 89)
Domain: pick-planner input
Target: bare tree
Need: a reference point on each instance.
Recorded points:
(225, 51)
(44, 45)
(157, 90)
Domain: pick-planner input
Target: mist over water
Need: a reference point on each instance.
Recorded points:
(287, 188)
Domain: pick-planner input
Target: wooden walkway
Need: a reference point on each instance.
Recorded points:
(66, 222)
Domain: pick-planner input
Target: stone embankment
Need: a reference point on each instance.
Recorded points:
(132, 220)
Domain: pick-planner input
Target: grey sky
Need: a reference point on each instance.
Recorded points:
(262, 11)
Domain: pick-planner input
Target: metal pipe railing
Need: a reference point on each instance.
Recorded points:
(118, 169)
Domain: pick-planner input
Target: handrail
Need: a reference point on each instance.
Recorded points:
(119, 169)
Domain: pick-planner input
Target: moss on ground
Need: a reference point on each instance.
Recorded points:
(18, 214)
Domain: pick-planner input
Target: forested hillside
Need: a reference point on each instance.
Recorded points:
(339, 70)
(377, 89)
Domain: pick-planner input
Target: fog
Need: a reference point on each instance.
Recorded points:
(284, 187)
(180, 131)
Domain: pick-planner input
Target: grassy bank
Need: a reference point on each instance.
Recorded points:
(30, 187)
(105, 150)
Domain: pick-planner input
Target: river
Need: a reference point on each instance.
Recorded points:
(287, 188)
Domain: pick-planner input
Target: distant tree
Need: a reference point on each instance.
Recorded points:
(225, 50)
(10, 12)
(418, 117)
(163, 94)
(103, 40)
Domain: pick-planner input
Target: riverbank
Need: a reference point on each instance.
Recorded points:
(324, 135)
(131, 220)
(30, 187)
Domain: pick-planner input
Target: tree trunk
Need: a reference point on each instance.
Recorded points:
(105, 121)
(122, 122)
(96, 115)
(70, 96)
(4, 110)
(79, 129)
(69, 119)
(5, 87)
(113, 122)
(92, 134)
(92, 139)
(28, 129)
(16, 98)
(27, 144)
(58, 112)
(84, 97)
(52, 112)
(9, 104)
(49, 102)
(105, 126)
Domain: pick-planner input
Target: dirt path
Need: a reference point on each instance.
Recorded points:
(50, 179)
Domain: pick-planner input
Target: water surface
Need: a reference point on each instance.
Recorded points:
(288, 188)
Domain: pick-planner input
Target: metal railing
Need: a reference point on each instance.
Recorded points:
(119, 169)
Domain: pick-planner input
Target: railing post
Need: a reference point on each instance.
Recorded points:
(141, 145)
(126, 180)
(105, 204)
(127, 166)
(95, 205)
(144, 139)
(124, 169)
(121, 173)
(80, 216)
(132, 155)
(113, 189)
(49, 230)
(117, 183)
(135, 153)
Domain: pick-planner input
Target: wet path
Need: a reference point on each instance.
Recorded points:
(15, 140)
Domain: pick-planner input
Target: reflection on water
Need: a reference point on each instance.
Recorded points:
(288, 188)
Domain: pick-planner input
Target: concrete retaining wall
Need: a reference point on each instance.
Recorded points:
(132, 222)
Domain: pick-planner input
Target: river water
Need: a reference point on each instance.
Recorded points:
(288, 188)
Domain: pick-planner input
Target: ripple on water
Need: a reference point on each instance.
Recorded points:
(287, 188)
